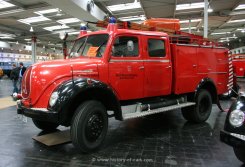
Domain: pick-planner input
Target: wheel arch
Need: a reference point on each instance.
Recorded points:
(73, 93)
(208, 85)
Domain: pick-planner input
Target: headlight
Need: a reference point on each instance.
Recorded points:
(236, 118)
(53, 98)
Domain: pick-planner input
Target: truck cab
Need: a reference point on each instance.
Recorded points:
(124, 74)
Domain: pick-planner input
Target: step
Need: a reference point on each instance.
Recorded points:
(133, 111)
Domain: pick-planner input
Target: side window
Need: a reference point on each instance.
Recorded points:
(156, 48)
(125, 46)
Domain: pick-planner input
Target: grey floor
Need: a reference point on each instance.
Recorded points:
(161, 140)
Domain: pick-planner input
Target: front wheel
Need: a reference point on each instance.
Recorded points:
(89, 126)
(240, 153)
(201, 111)
(46, 126)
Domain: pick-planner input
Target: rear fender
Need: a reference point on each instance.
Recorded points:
(209, 85)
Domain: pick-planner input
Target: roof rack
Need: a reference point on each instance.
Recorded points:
(169, 26)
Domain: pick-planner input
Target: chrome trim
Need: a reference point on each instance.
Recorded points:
(242, 137)
(213, 73)
(178, 44)
(84, 71)
(204, 46)
(219, 47)
(40, 109)
(162, 61)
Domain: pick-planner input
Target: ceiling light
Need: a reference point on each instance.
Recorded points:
(59, 13)
(41, 12)
(236, 21)
(67, 30)
(192, 21)
(132, 18)
(31, 29)
(7, 36)
(34, 19)
(190, 6)
(187, 28)
(11, 11)
(17, 43)
(220, 33)
(59, 27)
(241, 6)
(125, 6)
(4, 4)
(227, 38)
(210, 10)
(243, 31)
(198, 30)
(69, 20)
(73, 33)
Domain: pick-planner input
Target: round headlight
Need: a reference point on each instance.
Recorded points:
(236, 118)
(53, 98)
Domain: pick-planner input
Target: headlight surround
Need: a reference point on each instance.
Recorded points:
(53, 98)
(236, 118)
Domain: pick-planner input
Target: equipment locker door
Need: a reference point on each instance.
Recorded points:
(126, 71)
(158, 67)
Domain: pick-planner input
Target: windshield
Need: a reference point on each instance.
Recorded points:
(90, 46)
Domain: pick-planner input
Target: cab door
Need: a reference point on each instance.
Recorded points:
(126, 71)
(158, 67)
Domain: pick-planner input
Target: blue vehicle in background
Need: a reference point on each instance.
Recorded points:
(6, 67)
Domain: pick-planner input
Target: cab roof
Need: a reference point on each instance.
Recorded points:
(115, 30)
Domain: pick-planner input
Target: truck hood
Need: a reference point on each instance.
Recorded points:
(45, 76)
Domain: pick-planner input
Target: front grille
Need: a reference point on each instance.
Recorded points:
(26, 83)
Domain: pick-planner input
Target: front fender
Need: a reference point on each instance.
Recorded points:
(78, 90)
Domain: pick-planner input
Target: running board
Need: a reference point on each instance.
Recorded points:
(138, 113)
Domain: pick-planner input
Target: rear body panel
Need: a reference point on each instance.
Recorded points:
(194, 63)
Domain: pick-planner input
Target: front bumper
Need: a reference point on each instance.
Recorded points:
(232, 139)
(41, 114)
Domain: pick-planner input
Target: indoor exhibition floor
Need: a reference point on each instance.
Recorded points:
(161, 140)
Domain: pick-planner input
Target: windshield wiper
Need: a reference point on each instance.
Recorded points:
(98, 50)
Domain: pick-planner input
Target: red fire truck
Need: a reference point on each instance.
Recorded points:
(125, 74)
(238, 61)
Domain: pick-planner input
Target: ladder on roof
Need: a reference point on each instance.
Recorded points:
(175, 35)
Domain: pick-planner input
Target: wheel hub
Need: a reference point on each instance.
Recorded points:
(94, 127)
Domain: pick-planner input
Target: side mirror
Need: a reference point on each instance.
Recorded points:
(130, 45)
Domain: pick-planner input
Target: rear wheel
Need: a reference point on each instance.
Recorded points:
(240, 153)
(46, 126)
(201, 111)
(89, 126)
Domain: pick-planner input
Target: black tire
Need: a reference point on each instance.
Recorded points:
(46, 126)
(201, 111)
(240, 153)
(89, 126)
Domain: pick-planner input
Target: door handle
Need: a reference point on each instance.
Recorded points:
(194, 65)
(141, 67)
(168, 67)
